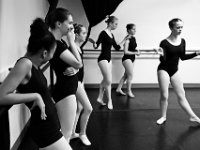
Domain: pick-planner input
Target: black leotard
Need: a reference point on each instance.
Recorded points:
(106, 43)
(131, 47)
(169, 62)
(43, 132)
(65, 85)
(80, 73)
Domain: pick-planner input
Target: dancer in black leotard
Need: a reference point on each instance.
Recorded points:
(169, 62)
(128, 60)
(32, 89)
(173, 49)
(65, 85)
(84, 108)
(106, 39)
(61, 24)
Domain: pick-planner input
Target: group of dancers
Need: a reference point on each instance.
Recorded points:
(171, 49)
(54, 116)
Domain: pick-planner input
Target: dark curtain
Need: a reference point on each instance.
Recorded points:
(97, 10)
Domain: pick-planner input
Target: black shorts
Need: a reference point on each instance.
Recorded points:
(131, 57)
(104, 57)
(65, 87)
(170, 70)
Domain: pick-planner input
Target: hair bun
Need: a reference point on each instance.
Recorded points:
(77, 28)
(38, 28)
(75, 25)
(107, 18)
(110, 19)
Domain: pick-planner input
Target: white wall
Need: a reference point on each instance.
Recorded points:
(145, 70)
(151, 18)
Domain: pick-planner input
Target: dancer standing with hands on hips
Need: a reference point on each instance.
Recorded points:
(171, 50)
(128, 60)
(107, 40)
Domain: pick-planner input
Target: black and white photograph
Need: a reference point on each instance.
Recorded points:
(99, 75)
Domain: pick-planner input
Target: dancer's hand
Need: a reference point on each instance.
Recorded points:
(93, 42)
(70, 71)
(197, 53)
(138, 52)
(40, 103)
(159, 51)
(70, 35)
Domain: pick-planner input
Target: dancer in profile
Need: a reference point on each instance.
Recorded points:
(171, 50)
(128, 60)
(31, 85)
(84, 108)
(66, 55)
(107, 40)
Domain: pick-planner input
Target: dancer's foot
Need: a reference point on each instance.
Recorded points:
(195, 120)
(74, 135)
(161, 121)
(110, 105)
(120, 92)
(85, 140)
(100, 101)
(130, 94)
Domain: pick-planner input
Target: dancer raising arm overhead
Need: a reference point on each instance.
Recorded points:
(171, 50)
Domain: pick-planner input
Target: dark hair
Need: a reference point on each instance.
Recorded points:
(40, 37)
(77, 28)
(59, 14)
(110, 19)
(130, 26)
(173, 21)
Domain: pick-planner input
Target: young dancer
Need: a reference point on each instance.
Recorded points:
(32, 89)
(107, 40)
(84, 107)
(172, 49)
(61, 24)
(128, 60)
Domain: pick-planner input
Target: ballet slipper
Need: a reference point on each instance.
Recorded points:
(110, 106)
(161, 121)
(120, 92)
(100, 101)
(130, 94)
(84, 140)
(195, 120)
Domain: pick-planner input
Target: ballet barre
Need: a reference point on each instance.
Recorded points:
(147, 52)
